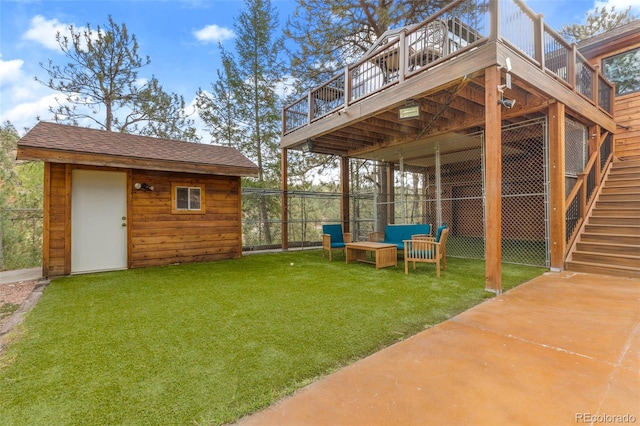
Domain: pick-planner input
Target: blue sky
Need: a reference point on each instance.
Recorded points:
(180, 36)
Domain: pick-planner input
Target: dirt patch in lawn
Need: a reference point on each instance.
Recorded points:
(12, 296)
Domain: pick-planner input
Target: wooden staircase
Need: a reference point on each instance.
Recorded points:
(609, 244)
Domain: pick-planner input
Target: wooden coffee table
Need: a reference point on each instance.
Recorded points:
(383, 254)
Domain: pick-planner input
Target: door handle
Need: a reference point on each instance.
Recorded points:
(124, 224)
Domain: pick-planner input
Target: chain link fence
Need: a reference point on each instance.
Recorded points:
(576, 152)
(576, 157)
(525, 186)
(308, 211)
(20, 238)
(449, 190)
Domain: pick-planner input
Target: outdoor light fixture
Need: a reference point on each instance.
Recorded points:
(507, 103)
(307, 146)
(410, 110)
(143, 186)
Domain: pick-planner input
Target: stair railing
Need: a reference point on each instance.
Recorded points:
(581, 197)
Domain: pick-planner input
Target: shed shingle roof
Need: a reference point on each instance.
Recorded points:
(47, 138)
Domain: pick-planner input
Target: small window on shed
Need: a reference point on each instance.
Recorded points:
(187, 199)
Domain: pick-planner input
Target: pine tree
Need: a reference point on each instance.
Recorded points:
(220, 109)
(259, 70)
(329, 34)
(100, 84)
(597, 22)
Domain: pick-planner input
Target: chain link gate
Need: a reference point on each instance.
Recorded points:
(524, 194)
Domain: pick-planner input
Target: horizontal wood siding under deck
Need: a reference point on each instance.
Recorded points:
(159, 237)
(627, 140)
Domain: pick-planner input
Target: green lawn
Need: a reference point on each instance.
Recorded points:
(208, 343)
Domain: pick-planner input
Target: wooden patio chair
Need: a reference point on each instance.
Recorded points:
(427, 250)
(333, 238)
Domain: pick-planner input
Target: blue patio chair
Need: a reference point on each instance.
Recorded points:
(333, 238)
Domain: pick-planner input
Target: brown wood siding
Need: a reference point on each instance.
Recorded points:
(627, 140)
(55, 246)
(156, 237)
(626, 114)
(159, 237)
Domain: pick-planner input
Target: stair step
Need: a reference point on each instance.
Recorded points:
(611, 259)
(630, 196)
(624, 167)
(617, 204)
(621, 165)
(599, 268)
(614, 229)
(609, 248)
(610, 239)
(627, 174)
(621, 189)
(613, 220)
(630, 212)
(612, 180)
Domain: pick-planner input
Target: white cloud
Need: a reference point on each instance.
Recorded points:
(201, 128)
(286, 86)
(24, 115)
(23, 98)
(213, 33)
(44, 31)
(10, 71)
(15, 85)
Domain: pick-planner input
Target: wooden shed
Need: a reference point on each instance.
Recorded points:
(116, 201)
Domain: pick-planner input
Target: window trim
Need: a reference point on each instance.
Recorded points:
(174, 198)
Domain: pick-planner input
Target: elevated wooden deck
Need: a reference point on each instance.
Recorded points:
(439, 66)
(456, 69)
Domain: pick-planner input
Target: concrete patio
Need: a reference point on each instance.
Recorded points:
(563, 348)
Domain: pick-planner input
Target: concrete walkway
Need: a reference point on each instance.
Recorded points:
(31, 274)
(562, 349)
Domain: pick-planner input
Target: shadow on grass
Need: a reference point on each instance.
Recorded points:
(211, 342)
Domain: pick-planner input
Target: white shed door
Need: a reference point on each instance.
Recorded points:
(98, 221)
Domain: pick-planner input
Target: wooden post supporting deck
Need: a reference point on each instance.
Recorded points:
(344, 189)
(557, 186)
(285, 200)
(493, 179)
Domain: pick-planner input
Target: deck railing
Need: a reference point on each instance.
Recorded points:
(455, 29)
(582, 195)
(461, 26)
(523, 29)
